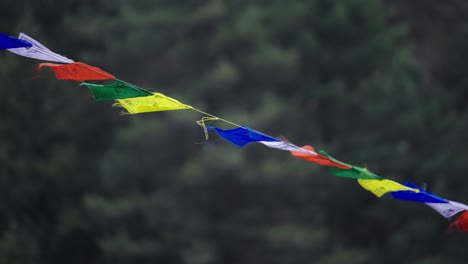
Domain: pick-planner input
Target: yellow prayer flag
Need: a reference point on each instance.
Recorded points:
(381, 187)
(152, 103)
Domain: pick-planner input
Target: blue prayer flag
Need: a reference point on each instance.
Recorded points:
(9, 42)
(422, 196)
(242, 136)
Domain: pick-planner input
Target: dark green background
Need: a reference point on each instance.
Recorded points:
(376, 83)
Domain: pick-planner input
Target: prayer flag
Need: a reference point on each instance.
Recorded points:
(116, 90)
(350, 171)
(242, 136)
(449, 209)
(355, 173)
(77, 71)
(462, 222)
(287, 146)
(444, 207)
(313, 156)
(381, 187)
(153, 103)
(8, 42)
(38, 51)
(422, 196)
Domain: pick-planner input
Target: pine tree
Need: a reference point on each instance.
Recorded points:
(332, 74)
(48, 149)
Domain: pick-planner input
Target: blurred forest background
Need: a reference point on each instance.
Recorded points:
(376, 83)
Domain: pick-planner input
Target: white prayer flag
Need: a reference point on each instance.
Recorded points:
(449, 209)
(286, 146)
(38, 51)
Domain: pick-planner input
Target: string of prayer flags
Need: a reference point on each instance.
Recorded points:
(137, 100)
(78, 72)
(313, 156)
(9, 42)
(422, 196)
(153, 103)
(38, 51)
(243, 135)
(381, 187)
(116, 90)
(461, 223)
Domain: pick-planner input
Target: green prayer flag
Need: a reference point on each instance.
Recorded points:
(354, 172)
(116, 90)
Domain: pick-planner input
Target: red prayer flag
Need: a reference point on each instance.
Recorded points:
(462, 222)
(322, 160)
(78, 72)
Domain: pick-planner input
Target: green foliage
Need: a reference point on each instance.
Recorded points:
(85, 185)
(48, 156)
